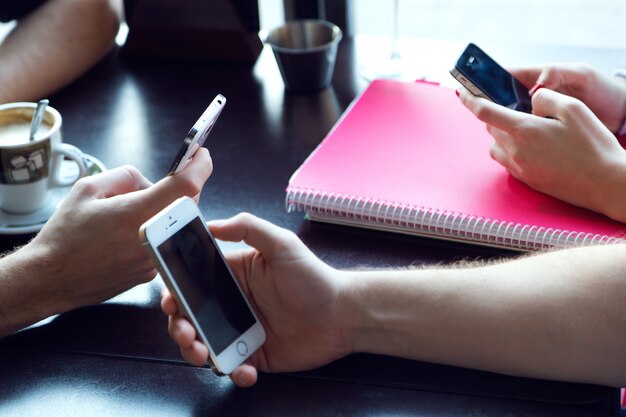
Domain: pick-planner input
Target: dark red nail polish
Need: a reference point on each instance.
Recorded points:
(535, 88)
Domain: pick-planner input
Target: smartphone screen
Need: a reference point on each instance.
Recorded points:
(491, 79)
(207, 285)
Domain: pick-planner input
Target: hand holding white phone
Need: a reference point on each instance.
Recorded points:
(203, 285)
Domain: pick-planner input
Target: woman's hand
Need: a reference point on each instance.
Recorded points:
(562, 149)
(603, 94)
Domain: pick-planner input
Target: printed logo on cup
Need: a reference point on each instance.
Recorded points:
(24, 165)
(30, 168)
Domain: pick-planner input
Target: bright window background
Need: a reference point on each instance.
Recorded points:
(591, 23)
(597, 23)
(271, 13)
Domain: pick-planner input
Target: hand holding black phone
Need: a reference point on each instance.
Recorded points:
(484, 77)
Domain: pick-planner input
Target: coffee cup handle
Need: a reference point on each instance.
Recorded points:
(71, 152)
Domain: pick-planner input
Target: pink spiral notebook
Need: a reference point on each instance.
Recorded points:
(409, 158)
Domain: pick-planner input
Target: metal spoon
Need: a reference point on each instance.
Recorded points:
(37, 117)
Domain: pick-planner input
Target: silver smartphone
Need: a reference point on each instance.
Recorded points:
(203, 285)
(484, 77)
(197, 135)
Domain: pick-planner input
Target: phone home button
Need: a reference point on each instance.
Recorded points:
(242, 348)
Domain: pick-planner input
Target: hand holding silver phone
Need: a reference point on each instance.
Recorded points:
(203, 285)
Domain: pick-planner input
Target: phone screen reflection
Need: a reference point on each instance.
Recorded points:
(206, 285)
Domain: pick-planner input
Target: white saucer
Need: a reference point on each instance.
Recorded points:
(15, 224)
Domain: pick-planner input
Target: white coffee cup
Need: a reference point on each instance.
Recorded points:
(30, 169)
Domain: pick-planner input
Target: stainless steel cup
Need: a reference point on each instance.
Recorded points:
(305, 51)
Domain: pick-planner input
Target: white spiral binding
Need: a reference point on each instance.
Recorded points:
(437, 223)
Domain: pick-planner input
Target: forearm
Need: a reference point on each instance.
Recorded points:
(560, 315)
(54, 45)
(24, 298)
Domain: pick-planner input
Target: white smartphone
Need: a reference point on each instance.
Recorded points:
(202, 283)
(197, 135)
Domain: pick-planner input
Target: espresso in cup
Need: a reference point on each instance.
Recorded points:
(30, 169)
(14, 132)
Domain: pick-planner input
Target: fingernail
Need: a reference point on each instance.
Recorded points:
(535, 88)
(216, 223)
(458, 94)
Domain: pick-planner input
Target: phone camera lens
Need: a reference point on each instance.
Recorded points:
(473, 62)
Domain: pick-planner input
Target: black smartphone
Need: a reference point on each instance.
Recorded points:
(484, 77)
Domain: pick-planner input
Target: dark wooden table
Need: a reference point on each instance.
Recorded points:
(117, 359)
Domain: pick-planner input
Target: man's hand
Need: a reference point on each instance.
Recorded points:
(296, 296)
(89, 250)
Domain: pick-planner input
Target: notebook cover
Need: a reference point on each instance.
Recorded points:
(416, 144)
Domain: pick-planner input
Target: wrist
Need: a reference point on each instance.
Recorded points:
(377, 313)
(354, 320)
(613, 199)
(24, 298)
(41, 273)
